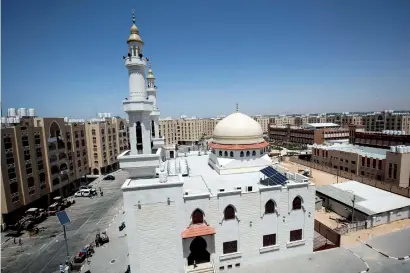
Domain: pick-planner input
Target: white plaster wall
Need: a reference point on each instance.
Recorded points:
(145, 120)
(380, 219)
(339, 208)
(136, 82)
(253, 224)
(155, 228)
(399, 214)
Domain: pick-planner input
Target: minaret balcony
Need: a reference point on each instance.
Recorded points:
(155, 112)
(137, 105)
(131, 61)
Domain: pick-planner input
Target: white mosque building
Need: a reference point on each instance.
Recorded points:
(206, 211)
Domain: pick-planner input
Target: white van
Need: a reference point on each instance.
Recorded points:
(85, 192)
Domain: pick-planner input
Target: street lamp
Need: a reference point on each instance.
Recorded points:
(353, 201)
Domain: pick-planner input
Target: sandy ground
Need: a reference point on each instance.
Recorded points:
(324, 217)
(365, 234)
(319, 178)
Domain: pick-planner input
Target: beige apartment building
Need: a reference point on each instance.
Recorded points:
(345, 120)
(263, 121)
(392, 166)
(387, 120)
(106, 138)
(39, 162)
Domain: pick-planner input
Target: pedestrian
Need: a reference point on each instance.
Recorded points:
(15, 240)
(20, 243)
(61, 268)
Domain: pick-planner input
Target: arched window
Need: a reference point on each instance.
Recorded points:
(197, 217)
(152, 128)
(297, 203)
(231, 154)
(248, 153)
(220, 153)
(226, 153)
(242, 154)
(229, 213)
(253, 153)
(134, 51)
(269, 207)
(138, 131)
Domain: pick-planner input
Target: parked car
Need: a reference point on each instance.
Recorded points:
(91, 190)
(109, 177)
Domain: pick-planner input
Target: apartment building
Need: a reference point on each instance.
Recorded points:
(38, 163)
(345, 119)
(282, 121)
(263, 121)
(391, 166)
(187, 130)
(106, 138)
(308, 134)
(384, 139)
(387, 120)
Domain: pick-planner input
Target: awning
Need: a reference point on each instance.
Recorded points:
(197, 230)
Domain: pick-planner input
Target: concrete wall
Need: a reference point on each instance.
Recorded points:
(251, 224)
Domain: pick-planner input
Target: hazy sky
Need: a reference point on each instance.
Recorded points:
(64, 58)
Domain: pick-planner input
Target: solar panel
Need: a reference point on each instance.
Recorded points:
(274, 176)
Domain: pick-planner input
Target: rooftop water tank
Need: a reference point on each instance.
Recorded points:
(31, 112)
(11, 112)
(3, 120)
(100, 115)
(66, 119)
(10, 120)
(400, 149)
(393, 149)
(16, 119)
(22, 112)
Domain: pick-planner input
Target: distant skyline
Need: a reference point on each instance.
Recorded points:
(64, 58)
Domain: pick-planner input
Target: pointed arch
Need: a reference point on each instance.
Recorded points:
(226, 153)
(197, 217)
(241, 154)
(231, 154)
(220, 153)
(138, 133)
(270, 207)
(297, 203)
(248, 153)
(229, 213)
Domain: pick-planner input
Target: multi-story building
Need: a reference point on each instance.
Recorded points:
(39, 162)
(384, 139)
(387, 120)
(345, 119)
(106, 138)
(282, 121)
(263, 121)
(392, 166)
(308, 134)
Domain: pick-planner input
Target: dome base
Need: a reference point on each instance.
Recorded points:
(238, 147)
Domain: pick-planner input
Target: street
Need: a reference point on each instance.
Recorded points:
(45, 251)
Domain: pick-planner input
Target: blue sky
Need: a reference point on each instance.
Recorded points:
(64, 58)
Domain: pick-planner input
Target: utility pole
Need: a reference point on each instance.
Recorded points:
(353, 201)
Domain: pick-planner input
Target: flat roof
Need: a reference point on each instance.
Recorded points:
(369, 200)
(203, 179)
(378, 153)
(321, 124)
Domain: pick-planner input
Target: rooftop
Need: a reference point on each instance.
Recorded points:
(202, 179)
(321, 125)
(367, 197)
(364, 151)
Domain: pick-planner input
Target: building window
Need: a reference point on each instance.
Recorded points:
(380, 164)
(197, 217)
(77, 144)
(368, 162)
(362, 173)
(253, 153)
(230, 247)
(379, 177)
(138, 131)
(374, 163)
(390, 169)
(353, 162)
(229, 213)
(248, 153)
(269, 240)
(226, 153)
(152, 128)
(395, 171)
(242, 154)
(363, 161)
(296, 235)
(231, 154)
(269, 207)
(220, 153)
(297, 203)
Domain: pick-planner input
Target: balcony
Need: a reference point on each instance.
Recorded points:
(32, 190)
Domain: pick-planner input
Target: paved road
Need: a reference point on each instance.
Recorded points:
(44, 253)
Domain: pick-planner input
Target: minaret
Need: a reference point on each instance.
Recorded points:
(137, 106)
(152, 96)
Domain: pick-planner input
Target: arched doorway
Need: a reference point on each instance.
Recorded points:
(199, 254)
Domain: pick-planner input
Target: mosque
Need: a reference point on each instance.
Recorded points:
(209, 211)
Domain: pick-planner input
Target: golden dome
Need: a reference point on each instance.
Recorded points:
(134, 35)
(150, 74)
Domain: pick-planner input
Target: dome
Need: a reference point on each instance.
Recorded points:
(134, 35)
(238, 128)
(150, 74)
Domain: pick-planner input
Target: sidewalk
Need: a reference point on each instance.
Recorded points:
(113, 256)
